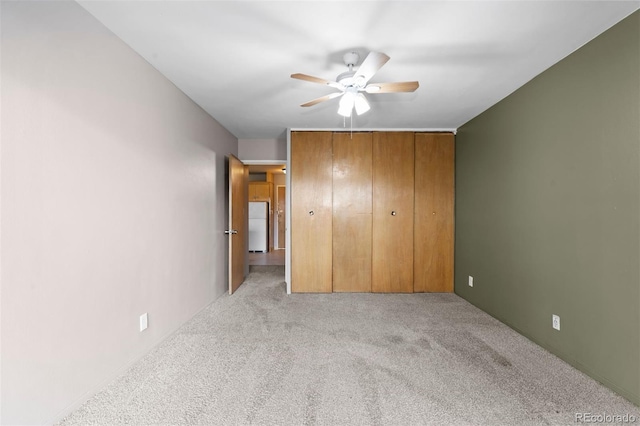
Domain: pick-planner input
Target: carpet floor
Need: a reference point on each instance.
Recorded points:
(262, 357)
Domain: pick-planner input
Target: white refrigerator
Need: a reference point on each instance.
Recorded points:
(258, 226)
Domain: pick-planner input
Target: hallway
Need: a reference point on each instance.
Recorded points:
(275, 257)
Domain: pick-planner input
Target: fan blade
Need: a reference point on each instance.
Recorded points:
(312, 79)
(371, 64)
(322, 99)
(404, 86)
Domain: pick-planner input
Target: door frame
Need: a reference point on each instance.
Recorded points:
(287, 219)
(277, 235)
(287, 259)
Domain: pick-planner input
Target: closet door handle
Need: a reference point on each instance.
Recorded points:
(311, 213)
(393, 212)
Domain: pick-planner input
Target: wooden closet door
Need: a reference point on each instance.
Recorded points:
(311, 205)
(352, 208)
(393, 186)
(434, 214)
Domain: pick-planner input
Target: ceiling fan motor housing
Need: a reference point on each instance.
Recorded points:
(346, 78)
(349, 78)
(351, 59)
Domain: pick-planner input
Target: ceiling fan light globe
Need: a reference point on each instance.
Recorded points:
(361, 104)
(345, 110)
(346, 104)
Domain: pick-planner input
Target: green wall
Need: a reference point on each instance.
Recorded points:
(548, 209)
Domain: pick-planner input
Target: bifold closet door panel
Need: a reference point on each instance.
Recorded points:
(393, 187)
(352, 209)
(434, 215)
(311, 212)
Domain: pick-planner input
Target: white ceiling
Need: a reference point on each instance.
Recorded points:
(234, 58)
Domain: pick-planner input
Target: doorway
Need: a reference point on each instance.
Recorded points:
(267, 183)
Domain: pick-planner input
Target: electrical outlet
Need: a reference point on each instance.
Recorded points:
(555, 322)
(144, 321)
(470, 281)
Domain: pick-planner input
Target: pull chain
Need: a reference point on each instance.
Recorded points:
(344, 123)
(351, 119)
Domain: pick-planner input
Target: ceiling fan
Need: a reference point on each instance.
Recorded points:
(351, 84)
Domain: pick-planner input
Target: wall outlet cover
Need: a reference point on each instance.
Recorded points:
(470, 281)
(144, 322)
(555, 322)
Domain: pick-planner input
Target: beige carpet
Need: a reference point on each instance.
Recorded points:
(262, 357)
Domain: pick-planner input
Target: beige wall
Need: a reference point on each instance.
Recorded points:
(262, 149)
(112, 189)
